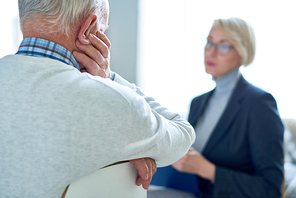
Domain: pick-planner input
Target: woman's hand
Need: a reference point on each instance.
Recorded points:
(94, 58)
(194, 163)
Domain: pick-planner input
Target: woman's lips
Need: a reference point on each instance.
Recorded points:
(210, 63)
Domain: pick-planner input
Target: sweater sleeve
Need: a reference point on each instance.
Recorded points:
(265, 143)
(162, 135)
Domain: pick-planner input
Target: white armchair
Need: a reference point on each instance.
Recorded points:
(111, 182)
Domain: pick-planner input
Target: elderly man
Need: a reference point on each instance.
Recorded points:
(64, 114)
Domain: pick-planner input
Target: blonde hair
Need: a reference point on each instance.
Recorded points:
(63, 14)
(241, 35)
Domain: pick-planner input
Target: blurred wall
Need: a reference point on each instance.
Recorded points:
(122, 32)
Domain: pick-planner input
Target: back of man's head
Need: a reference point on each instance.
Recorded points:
(61, 16)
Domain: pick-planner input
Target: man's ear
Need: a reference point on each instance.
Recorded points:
(86, 28)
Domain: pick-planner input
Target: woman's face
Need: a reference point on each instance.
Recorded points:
(220, 56)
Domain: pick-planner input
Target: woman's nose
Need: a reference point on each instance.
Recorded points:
(211, 52)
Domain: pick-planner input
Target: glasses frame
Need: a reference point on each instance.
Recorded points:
(218, 47)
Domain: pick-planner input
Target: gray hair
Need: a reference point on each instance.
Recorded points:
(63, 14)
(242, 36)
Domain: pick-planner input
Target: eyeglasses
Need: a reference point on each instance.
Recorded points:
(221, 49)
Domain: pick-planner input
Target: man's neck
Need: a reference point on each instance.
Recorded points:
(31, 29)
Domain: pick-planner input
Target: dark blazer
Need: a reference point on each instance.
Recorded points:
(246, 145)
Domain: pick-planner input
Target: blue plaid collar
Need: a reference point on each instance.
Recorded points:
(43, 48)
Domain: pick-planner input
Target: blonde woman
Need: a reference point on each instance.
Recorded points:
(238, 149)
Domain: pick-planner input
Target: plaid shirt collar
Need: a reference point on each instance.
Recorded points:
(43, 48)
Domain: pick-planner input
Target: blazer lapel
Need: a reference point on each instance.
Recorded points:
(227, 116)
(199, 109)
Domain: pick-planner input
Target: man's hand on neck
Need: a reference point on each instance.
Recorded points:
(94, 58)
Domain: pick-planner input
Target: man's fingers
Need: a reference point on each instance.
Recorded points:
(154, 167)
(94, 54)
(150, 168)
(142, 167)
(145, 183)
(104, 38)
(84, 60)
(88, 65)
(94, 57)
(99, 45)
(146, 168)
